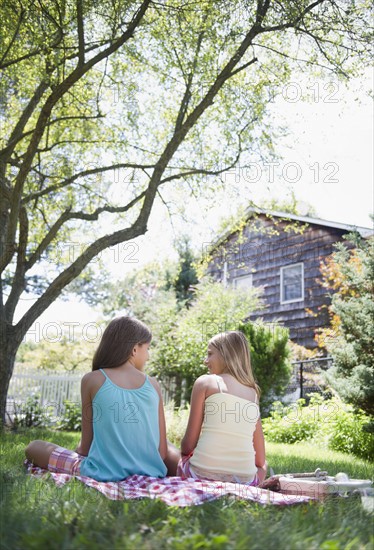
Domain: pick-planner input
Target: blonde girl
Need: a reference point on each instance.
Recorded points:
(224, 438)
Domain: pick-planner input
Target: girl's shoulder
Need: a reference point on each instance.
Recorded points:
(93, 380)
(230, 385)
(93, 375)
(153, 380)
(205, 382)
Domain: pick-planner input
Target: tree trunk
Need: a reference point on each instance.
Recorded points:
(9, 344)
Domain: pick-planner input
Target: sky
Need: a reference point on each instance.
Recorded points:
(326, 161)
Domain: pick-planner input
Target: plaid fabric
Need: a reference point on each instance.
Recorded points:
(173, 491)
(185, 471)
(64, 461)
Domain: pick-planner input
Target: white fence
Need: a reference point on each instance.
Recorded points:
(52, 390)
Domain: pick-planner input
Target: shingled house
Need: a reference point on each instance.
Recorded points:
(281, 253)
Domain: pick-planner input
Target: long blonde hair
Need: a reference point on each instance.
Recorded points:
(233, 347)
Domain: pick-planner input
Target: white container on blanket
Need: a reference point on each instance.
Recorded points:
(316, 488)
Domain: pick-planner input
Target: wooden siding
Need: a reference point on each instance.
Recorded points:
(263, 254)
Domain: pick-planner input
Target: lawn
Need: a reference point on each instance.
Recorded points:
(37, 514)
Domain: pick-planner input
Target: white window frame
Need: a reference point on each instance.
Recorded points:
(282, 269)
(248, 276)
(224, 277)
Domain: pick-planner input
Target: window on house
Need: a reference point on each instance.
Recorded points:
(245, 281)
(292, 283)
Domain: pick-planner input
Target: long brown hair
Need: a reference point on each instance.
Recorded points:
(118, 341)
(233, 347)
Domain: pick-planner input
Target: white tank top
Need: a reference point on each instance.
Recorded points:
(225, 447)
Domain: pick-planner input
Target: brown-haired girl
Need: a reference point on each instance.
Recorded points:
(123, 423)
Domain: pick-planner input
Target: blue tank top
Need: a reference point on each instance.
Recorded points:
(126, 433)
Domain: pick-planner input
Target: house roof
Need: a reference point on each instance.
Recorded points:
(363, 231)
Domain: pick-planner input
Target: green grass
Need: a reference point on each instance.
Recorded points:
(37, 514)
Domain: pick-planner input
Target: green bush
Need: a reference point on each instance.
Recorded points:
(270, 354)
(329, 422)
(176, 422)
(31, 414)
(290, 424)
(349, 435)
(71, 419)
(181, 348)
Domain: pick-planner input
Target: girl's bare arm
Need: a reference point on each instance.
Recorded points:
(259, 447)
(163, 447)
(196, 417)
(87, 428)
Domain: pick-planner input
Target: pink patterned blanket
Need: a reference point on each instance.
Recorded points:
(174, 491)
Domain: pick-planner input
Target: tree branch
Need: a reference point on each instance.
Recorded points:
(242, 67)
(223, 76)
(262, 9)
(43, 49)
(90, 172)
(70, 273)
(322, 51)
(21, 15)
(18, 285)
(49, 123)
(187, 94)
(56, 94)
(16, 134)
(190, 121)
(80, 33)
(67, 216)
(195, 171)
(167, 208)
(292, 23)
(68, 141)
(282, 54)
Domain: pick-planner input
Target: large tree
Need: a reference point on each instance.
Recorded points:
(349, 274)
(103, 104)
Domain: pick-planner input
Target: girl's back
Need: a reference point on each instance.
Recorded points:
(228, 384)
(125, 427)
(225, 446)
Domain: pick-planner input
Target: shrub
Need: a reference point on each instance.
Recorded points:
(269, 358)
(176, 422)
(327, 421)
(182, 346)
(290, 424)
(71, 419)
(349, 435)
(31, 414)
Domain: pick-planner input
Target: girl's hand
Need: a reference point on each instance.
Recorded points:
(79, 449)
(261, 473)
(259, 447)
